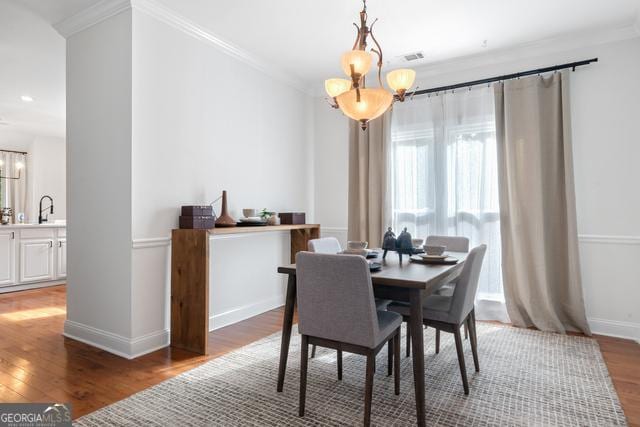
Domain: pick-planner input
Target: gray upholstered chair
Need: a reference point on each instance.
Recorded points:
(331, 245)
(449, 313)
(453, 244)
(325, 245)
(336, 310)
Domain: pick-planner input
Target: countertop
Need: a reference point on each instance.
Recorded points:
(45, 225)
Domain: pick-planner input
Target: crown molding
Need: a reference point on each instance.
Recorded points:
(91, 16)
(536, 49)
(108, 8)
(525, 51)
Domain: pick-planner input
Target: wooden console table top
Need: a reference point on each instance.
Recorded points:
(259, 228)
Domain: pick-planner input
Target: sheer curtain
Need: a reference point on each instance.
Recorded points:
(443, 178)
(13, 192)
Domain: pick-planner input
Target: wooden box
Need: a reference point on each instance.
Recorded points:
(292, 218)
(205, 210)
(200, 222)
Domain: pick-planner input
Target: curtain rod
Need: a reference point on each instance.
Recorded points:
(572, 65)
(17, 152)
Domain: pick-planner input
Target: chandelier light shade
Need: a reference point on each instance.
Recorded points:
(372, 104)
(352, 96)
(335, 87)
(401, 80)
(359, 59)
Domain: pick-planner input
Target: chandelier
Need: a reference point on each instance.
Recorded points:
(352, 96)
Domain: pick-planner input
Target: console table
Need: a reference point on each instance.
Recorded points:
(190, 278)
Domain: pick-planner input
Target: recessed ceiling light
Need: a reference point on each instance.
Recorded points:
(26, 98)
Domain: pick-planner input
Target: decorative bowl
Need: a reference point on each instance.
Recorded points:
(434, 249)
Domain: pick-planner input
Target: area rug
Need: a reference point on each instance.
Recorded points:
(526, 378)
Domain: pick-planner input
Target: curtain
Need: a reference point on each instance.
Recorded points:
(13, 191)
(368, 204)
(443, 178)
(538, 214)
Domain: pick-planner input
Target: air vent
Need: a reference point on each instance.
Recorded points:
(413, 56)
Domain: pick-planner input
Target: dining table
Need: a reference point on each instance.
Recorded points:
(398, 279)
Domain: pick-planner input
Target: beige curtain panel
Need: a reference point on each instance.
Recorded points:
(368, 206)
(540, 264)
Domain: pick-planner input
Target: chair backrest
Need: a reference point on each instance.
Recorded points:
(453, 243)
(335, 298)
(325, 245)
(464, 293)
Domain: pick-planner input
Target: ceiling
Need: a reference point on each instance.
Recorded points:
(306, 37)
(32, 55)
(303, 38)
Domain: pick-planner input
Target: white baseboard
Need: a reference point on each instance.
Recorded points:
(27, 286)
(129, 348)
(149, 343)
(238, 314)
(615, 328)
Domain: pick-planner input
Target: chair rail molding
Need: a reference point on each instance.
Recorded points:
(609, 239)
(108, 8)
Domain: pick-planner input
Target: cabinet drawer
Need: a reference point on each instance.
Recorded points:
(37, 233)
(62, 232)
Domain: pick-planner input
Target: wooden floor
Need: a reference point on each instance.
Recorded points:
(37, 364)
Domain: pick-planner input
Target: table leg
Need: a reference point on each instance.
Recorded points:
(287, 323)
(417, 340)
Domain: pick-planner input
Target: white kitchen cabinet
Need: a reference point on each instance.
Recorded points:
(32, 256)
(7, 257)
(36, 260)
(61, 271)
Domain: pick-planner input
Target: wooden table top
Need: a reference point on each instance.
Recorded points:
(408, 274)
(261, 228)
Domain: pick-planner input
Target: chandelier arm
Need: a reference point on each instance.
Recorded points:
(335, 102)
(378, 51)
(357, 42)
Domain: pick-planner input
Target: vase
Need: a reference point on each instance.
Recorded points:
(225, 220)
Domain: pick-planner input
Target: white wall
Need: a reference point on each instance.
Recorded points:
(99, 184)
(206, 122)
(331, 170)
(50, 175)
(46, 170)
(605, 110)
(186, 120)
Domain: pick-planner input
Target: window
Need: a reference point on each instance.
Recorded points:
(443, 173)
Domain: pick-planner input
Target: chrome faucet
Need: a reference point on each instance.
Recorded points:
(40, 218)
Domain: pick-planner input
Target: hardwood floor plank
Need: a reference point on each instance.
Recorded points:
(38, 364)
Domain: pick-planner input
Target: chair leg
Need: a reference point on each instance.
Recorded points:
(368, 392)
(313, 351)
(390, 345)
(396, 363)
(437, 341)
(466, 332)
(408, 345)
(339, 365)
(474, 340)
(304, 362)
(463, 368)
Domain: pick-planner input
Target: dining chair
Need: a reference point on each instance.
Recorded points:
(453, 244)
(449, 312)
(331, 245)
(336, 310)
